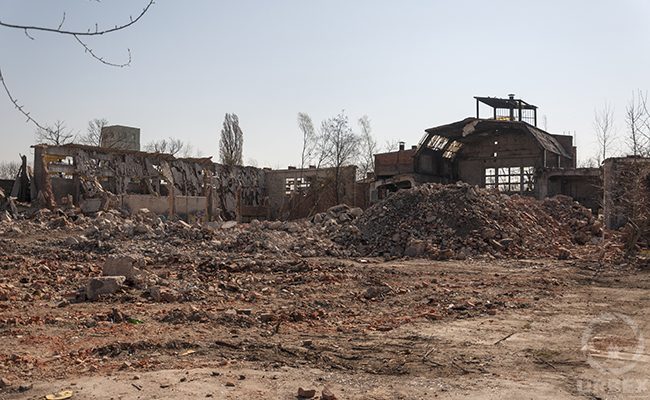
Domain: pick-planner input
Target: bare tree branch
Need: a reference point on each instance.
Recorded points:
(96, 32)
(168, 146)
(62, 21)
(391, 145)
(101, 59)
(93, 136)
(636, 119)
(306, 126)
(56, 135)
(605, 131)
(19, 107)
(338, 146)
(9, 169)
(75, 34)
(28, 35)
(368, 149)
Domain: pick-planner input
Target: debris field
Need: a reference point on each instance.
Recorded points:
(113, 293)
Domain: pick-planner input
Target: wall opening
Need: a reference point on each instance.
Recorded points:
(510, 179)
(296, 184)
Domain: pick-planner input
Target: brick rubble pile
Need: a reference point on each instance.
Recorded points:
(459, 221)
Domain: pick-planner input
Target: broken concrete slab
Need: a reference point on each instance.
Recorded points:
(120, 266)
(103, 285)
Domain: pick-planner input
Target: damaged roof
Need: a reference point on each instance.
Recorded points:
(505, 103)
(458, 131)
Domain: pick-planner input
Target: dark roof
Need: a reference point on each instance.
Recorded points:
(460, 130)
(505, 103)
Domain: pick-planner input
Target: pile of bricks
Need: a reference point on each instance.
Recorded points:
(459, 221)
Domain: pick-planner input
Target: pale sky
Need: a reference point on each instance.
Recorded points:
(409, 65)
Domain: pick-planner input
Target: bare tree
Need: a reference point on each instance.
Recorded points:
(391, 145)
(168, 146)
(188, 151)
(93, 134)
(591, 162)
(231, 142)
(368, 149)
(9, 169)
(77, 36)
(55, 135)
(605, 130)
(309, 139)
(338, 146)
(637, 121)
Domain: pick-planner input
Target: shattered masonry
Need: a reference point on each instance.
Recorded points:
(192, 188)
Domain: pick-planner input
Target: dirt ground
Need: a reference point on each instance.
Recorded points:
(261, 327)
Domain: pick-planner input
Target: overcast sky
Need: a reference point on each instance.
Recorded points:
(409, 65)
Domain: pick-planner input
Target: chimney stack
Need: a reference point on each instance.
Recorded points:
(401, 146)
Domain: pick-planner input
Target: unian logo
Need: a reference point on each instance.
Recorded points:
(613, 343)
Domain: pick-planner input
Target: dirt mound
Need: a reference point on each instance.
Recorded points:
(457, 221)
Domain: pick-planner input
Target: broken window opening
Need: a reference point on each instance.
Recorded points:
(452, 149)
(296, 184)
(510, 179)
(437, 142)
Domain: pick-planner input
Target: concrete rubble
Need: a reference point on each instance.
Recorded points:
(461, 221)
(103, 285)
(138, 290)
(431, 221)
(120, 266)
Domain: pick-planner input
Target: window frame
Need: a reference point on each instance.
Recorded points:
(510, 179)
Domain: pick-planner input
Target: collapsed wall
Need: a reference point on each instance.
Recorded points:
(241, 192)
(97, 178)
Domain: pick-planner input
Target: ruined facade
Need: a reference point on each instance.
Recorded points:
(241, 192)
(506, 152)
(96, 178)
(297, 193)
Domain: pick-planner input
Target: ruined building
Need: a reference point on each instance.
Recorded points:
(504, 150)
(97, 178)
